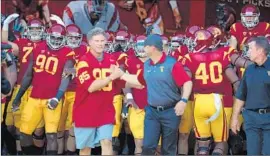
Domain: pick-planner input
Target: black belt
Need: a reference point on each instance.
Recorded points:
(261, 111)
(162, 108)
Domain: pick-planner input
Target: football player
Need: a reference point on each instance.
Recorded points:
(35, 32)
(249, 26)
(185, 124)
(92, 13)
(46, 65)
(109, 43)
(66, 140)
(136, 98)
(176, 41)
(208, 68)
(121, 43)
(165, 42)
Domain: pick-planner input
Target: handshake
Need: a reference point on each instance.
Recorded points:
(116, 72)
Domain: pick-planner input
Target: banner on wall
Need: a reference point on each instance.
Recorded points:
(263, 5)
(168, 16)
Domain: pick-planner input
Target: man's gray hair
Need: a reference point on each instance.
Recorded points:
(261, 42)
(94, 32)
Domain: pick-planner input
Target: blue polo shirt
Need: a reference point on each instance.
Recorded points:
(163, 81)
(255, 86)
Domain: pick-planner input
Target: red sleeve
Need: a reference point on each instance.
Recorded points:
(179, 74)
(84, 74)
(122, 59)
(233, 30)
(141, 78)
(120, 83)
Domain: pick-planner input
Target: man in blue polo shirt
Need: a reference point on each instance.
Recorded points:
(253, 97)
(164, 77)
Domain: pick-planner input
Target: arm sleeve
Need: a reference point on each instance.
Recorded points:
(141, 78)
(27, 79)
(241, 93)
(179, 74)
(64, 81)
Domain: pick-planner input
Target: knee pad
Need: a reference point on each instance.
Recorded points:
(115, 144)
(148, 151)
(38, 137)
(236, 143)
(26, 140)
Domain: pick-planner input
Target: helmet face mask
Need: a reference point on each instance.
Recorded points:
(73, 40)
(56, 38)
(55, 41)
(122, 39)
(250, 21)
(122, 43)
(139, 49)
(35, 30)
(190, 43)
(35, 33)
(250, 16)
(73, 36)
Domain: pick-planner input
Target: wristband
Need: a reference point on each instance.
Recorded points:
(59, 95)
(184, 100)
(129, 96)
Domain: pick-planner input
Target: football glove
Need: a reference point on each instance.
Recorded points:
(52, 103)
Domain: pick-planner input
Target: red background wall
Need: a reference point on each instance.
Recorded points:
(200, 12)
(129, 18)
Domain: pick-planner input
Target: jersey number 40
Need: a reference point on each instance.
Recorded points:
(212, 72)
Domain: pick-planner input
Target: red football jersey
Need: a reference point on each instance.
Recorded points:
(179, 53)
(48, 67)
(79, 52)
(25, 49)
(208, 69)
(228, 93)
(242, 34)
(131, 52)
(93, 109)
(135, 66)
(120, 60)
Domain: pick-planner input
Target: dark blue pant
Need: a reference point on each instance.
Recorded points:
(160, 123)
(257, 128)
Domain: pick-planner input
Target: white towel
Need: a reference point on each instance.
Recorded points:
(218, 106)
